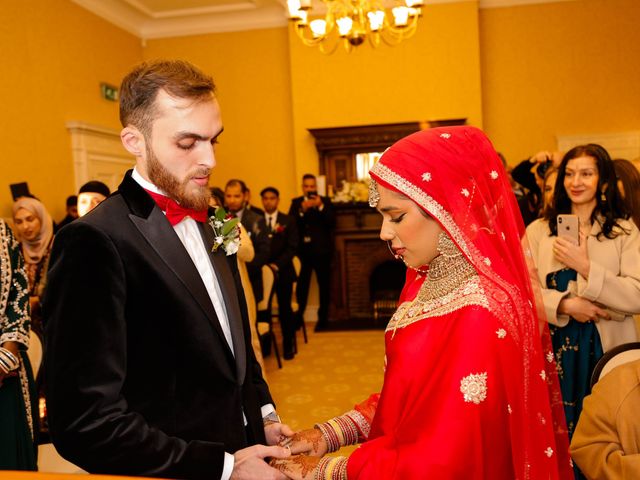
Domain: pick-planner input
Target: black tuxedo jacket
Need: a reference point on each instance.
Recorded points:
(140, 379)
(284, 246)
(315, 227)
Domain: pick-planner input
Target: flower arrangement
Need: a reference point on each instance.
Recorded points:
(226, 230)
(352, 192)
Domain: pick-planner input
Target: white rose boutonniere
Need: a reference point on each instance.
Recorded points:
(226, 230)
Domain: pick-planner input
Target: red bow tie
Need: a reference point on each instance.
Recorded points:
(174, 211)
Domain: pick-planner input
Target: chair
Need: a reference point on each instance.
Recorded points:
(627, 352)
(34, 352)
(264, 317)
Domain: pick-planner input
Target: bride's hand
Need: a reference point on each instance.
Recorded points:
(297, 467)
(310, 442)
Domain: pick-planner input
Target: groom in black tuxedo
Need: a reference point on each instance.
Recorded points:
(150, 369)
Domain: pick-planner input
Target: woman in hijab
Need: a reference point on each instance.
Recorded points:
(18, 403)
(470, 389)
(34, 229)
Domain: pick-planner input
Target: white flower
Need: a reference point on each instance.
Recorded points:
(226, 232)
(464, 192)
(550, 357)
(494, 175)
(487, 261)
(543, 375)
(548, 452)
(509, 408)
(426, 177)
(501, 333)
(445, 135)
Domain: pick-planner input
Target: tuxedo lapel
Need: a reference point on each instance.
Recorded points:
(156, 229)
(230, 297)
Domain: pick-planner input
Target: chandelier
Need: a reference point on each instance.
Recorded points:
(351, 22)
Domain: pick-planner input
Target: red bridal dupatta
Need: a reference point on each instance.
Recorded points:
(470, 390)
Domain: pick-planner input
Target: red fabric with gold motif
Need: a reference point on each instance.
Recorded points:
(471, 393)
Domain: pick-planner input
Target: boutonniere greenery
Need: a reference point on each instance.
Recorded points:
(226, 231)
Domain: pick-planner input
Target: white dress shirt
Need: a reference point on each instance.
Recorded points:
(189, 234)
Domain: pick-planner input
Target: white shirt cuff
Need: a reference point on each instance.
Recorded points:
(229, 462)
(267, 409)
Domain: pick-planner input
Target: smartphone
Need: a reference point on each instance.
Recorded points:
(312, 194)
(569, 228)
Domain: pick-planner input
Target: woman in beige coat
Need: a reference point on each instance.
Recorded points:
(592, 290)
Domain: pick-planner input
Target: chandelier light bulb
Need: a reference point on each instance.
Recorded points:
(294, 9)
(400, 16)
(353, 22)
(318, 28)
(376, 20)
(344, 25)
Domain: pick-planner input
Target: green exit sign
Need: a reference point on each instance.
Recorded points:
(109, 92)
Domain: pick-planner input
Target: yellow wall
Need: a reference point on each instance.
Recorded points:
(251, 71)
(558, 69)
(525, 73)
(54, 56)
(434, 75)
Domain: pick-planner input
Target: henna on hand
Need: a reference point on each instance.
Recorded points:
(309, 441)
(297, 467)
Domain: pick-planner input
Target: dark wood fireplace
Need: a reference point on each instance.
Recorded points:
(361, 260)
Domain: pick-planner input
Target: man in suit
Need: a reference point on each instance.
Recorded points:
(315, 218)
(150, 369)
(235, 194)
(283, 236)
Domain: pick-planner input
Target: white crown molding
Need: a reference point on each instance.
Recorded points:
(136, 18)
(515, 3)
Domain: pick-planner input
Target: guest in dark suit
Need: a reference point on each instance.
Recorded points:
(283, 236)
(150, 369)
(315, 218)
(235, 202)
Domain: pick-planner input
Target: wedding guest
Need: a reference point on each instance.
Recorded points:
(91, 194)
(548, 187)
(590, 290)
(18, 400)
(530, 174)
(245, 254)
(150, 370)
(315, 219)
(72, 212)
(629, 186)
(470, 386)
(235, 202)
(606, 443)
(283, 244)
(34, 230)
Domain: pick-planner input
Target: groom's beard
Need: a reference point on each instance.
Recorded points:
(182, 191)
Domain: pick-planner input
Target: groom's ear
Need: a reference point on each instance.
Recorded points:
(133, 141)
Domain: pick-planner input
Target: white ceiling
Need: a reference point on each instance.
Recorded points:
(174, 18)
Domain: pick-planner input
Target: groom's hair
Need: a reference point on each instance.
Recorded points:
(140, 88)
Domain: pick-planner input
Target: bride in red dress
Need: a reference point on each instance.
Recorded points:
(470, 389)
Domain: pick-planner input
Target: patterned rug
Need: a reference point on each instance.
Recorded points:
(328, 376)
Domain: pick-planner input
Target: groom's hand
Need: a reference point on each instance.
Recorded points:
(309, 442)
(277, 433)
(250, 464)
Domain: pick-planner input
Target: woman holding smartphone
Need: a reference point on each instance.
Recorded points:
(590, 288)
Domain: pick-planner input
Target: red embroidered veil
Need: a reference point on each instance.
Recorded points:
(455, 175)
